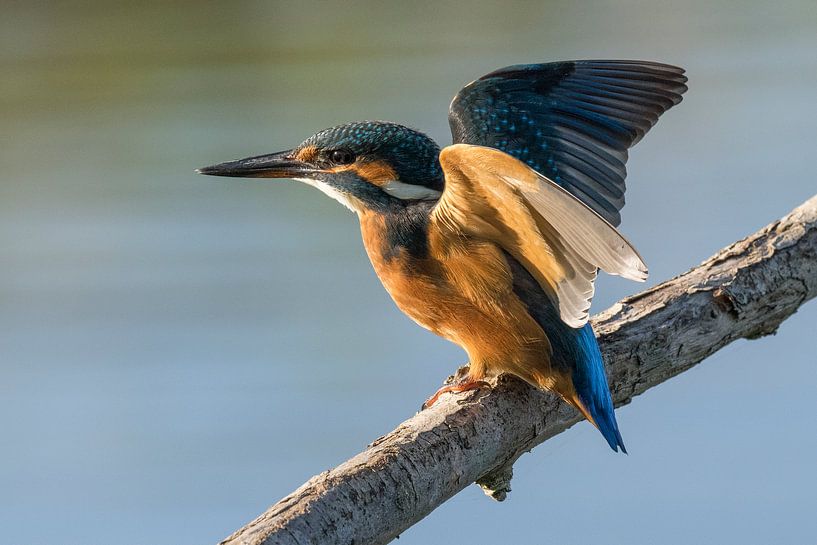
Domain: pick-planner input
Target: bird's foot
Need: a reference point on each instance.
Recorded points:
(464, 386)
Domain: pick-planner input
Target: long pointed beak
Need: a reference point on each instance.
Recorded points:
(275, 165)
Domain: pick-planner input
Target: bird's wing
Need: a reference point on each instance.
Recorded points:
(572, 121)
(562, 242)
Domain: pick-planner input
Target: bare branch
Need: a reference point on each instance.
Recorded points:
(744, 291)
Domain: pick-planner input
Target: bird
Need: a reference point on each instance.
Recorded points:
(494, 242)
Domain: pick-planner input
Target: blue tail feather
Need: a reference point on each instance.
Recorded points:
(590, 382)
(575, 352)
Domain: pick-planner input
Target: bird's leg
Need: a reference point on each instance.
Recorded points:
(462, 385)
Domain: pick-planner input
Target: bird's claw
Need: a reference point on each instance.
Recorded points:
(454, 389)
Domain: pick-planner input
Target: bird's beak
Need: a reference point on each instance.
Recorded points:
(275, 165)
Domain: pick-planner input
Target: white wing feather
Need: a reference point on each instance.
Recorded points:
(485, 188)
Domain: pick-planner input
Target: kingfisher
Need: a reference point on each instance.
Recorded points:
(495, 241)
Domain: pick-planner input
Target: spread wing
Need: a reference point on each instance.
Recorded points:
(572, 121)
(562, 242)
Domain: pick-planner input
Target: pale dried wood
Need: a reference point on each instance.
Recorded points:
(744, 291)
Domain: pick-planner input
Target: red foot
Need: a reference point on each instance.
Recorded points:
(455, 388)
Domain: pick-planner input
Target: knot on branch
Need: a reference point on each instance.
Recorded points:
(497, 483)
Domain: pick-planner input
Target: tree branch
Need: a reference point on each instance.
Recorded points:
(744, 291)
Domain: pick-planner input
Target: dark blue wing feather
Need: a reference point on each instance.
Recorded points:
(572, 121)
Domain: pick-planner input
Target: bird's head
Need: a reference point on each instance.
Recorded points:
(370, 165)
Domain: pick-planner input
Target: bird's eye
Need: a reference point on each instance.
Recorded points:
(342, 157)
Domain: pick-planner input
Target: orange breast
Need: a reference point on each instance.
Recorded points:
(463, 291)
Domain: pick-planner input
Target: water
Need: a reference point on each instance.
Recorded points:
(179, 352)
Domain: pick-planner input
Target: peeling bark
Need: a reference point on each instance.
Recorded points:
(744, 291)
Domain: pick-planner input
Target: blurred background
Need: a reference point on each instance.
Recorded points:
(178, 352)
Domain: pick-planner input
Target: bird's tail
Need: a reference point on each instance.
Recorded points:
(592, 390)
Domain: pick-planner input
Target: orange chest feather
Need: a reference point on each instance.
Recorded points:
(460, 290)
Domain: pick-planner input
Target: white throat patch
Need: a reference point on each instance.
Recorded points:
(399, 190)
(332, 192)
